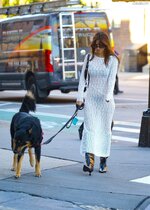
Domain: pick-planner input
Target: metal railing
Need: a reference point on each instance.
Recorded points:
(36, 8)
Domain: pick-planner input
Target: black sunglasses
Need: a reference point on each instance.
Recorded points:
(99, 46)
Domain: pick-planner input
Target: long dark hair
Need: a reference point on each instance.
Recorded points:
(103, 39)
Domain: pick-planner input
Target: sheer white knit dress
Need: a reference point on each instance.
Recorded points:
(98, 113)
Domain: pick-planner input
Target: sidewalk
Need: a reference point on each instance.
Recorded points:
(134, 75)
(63, 185)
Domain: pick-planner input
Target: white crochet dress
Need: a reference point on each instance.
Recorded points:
(98, 113)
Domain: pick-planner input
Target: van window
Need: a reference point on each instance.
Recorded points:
(10, 36)
(87, 27)
(0, 38)
(56, 44)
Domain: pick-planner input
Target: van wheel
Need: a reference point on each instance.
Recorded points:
(31, 85)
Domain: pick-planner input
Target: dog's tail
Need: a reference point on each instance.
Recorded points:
(28, 103)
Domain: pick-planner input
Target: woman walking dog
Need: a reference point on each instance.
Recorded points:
(99, 103)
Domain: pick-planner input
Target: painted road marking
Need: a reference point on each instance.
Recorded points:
(52, 106)
(122, 138)
(132, 99)
(67, 117)
(127, 123)
(131, 130)
(130, 104)
(12, 111)
(5, 104)
(143, 180)
(50, 120)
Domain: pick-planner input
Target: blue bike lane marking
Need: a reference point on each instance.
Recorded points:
(48, 120)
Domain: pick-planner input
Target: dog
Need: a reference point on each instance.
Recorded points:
(26, 132)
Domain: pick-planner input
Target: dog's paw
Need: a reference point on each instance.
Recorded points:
(38, 175)
(13, 169)
(17, 176)
(32, 163)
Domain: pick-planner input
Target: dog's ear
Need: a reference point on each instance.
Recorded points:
(28, 103)
(30, 94)
(31, 102)
(30, 131)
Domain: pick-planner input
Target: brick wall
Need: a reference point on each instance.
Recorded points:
(122, 41)
(122, 36)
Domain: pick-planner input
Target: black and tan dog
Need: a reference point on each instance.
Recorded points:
(26, 132)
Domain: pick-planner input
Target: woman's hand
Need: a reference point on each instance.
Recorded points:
(79, 104)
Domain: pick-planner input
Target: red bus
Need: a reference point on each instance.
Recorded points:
(45, 52)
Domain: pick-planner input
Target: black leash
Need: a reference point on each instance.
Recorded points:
(67, 124)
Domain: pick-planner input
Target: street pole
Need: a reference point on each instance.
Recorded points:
(149, 92)
(144, 137)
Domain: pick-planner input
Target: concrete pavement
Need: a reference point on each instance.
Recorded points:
(63, 185)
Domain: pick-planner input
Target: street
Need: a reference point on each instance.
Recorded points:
(63, 185)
